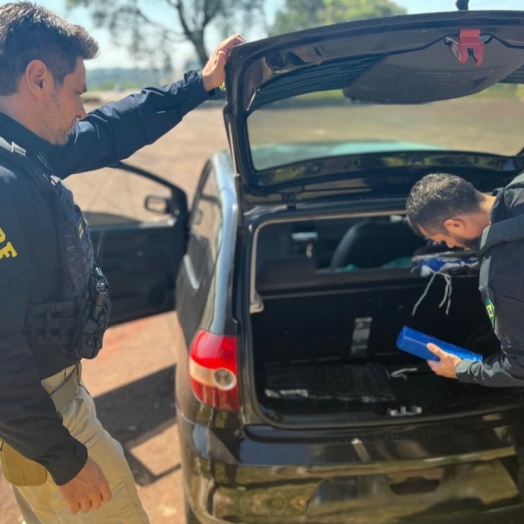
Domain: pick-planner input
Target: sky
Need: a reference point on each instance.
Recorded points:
(115, 56)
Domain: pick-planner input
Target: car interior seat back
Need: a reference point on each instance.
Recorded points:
(375, 242)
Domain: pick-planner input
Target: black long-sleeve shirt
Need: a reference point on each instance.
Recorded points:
(31, 265)
(502, 289)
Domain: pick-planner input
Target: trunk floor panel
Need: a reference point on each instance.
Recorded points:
(368, 384)
(369, 388)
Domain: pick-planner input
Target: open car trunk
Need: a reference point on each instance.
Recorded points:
(330, 352)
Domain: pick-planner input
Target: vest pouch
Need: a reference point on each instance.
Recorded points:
(20, 471)
(94, 319)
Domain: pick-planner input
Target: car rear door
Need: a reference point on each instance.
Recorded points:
(138, 225)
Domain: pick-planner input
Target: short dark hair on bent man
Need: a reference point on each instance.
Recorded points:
(31, 32)
(439, 197)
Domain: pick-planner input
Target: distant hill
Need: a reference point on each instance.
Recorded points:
(120, 78)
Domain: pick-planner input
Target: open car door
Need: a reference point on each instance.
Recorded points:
(139, 253)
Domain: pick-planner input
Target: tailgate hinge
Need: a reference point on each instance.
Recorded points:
(469, 43)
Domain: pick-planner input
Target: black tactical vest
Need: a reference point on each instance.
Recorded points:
(77, 323)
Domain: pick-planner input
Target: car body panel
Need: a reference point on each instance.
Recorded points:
(205, 294)
(208, 287)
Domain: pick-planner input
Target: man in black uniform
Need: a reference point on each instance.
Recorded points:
(53, 297)
(449, 209)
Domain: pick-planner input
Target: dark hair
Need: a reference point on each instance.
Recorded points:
(439, 197)
(31, 32)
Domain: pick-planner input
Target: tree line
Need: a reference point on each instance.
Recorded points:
(150, 29)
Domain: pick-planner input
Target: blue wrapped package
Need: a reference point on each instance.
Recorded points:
(415, 342)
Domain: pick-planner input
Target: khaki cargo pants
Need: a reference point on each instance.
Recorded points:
(44, 505)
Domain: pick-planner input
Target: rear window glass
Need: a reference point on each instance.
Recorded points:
(327, 124)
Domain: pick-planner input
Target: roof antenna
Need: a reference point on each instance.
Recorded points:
(462, 5)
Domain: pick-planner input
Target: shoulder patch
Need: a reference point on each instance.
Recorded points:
(490, 309)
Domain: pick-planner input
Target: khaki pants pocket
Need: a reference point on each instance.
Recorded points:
(18, 470)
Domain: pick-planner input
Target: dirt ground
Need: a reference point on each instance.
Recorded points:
(132, 378)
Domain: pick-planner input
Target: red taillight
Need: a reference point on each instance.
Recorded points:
(213, 370)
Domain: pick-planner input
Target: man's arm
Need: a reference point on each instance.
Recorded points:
(505, 369)
(28, 419)
(496, 371)
(115, 131)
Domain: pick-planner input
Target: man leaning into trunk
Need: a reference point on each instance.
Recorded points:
(447, 208)
(54, 302)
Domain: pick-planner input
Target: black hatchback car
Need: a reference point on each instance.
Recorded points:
(295, 277)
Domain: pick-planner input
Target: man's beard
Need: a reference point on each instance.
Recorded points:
(58, 136)
(468, 243)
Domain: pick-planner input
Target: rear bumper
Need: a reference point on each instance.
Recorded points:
(253, 479)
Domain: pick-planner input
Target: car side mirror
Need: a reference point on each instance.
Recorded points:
(160, 204)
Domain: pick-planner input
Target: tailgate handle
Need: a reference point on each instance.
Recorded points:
(414, 486)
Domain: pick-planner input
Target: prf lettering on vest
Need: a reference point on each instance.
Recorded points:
(8, 250)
